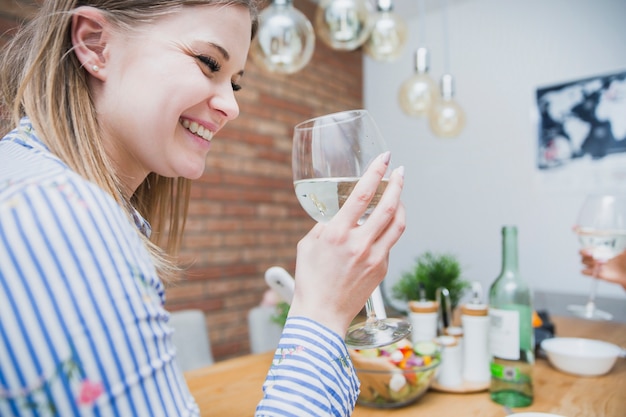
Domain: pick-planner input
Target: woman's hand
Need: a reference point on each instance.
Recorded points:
(340, 263)
(613, 270)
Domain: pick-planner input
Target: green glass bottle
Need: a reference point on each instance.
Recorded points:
(511, 337)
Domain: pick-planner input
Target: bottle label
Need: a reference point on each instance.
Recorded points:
(504, 331)
(506, 373)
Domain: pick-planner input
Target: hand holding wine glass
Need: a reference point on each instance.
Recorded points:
(601, 229)
(343, 180)
(613, 270)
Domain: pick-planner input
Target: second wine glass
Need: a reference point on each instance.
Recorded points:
(601, 229)
(330, 154)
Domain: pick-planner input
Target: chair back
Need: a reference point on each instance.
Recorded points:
(264, 333)
(191, 339)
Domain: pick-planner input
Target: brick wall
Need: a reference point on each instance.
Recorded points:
(244, 216)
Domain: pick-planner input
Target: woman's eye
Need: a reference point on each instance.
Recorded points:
(209, 62)
(214, 66)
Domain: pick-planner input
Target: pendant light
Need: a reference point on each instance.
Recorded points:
(285, 40)
(418, 92)
(388, 36)
(447, 118)
(343, 24)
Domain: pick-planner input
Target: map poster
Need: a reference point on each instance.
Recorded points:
(582, 127)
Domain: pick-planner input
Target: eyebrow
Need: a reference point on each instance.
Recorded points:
(223, 51)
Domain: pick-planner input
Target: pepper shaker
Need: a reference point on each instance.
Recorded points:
(475, 322)
(449, 374)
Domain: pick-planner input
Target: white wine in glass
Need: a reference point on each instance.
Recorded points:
(330, 154)
(601, 230)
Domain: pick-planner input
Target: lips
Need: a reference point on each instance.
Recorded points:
(197, 129)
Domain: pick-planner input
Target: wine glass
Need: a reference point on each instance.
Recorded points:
(330, 154)
(601, 229)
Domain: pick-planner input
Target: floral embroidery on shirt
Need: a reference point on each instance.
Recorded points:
(38, 398)
(89, 392)
(345, 361)
(70, 194)
(284, 352)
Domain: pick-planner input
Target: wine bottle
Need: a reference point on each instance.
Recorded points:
(510, 330)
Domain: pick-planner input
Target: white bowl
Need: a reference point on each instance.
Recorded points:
(578, 356)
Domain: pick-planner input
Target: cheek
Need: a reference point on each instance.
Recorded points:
(153, 99)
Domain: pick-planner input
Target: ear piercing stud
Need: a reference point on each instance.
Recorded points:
(95, 68)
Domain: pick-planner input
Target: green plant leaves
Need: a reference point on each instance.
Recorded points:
(434, 271)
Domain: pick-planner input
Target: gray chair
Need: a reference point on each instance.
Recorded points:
(191, 339)
(264, 333)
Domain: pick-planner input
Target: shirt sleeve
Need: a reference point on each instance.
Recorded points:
(311, 374)
(83, 331)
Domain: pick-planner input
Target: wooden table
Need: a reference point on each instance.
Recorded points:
(233, 387)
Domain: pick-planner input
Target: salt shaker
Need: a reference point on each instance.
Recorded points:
(423, 317)
(449, 373)
(456, 332)
(475, 322)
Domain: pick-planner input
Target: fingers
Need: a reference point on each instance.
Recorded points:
(587, 271)
(586, 258)
(363, 193)
(386, 211)
(394, 230)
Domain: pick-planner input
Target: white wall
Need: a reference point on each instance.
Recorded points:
(459, 192)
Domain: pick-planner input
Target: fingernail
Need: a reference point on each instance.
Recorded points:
(386, 157)
(400, 171)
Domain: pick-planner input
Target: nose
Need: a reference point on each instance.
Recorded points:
(224, 101)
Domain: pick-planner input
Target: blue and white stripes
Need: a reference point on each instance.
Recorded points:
(82, 325)
(311, 374)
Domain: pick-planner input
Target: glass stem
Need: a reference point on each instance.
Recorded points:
(371, 313)
(591, 303)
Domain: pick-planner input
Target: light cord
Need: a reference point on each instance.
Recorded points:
(446, 41)
(421, 30)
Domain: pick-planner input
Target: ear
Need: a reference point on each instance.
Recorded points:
(89, 37)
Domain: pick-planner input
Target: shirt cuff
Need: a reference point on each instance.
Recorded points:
(311, 373)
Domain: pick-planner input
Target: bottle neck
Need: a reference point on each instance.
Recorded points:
(509, 250)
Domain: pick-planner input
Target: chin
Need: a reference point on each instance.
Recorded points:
(193, 175)
(190, 171)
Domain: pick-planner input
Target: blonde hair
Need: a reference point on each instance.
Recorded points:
(42, 78)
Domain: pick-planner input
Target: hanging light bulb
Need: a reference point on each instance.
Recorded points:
(386, 42)
(418, 93)
(343, 24)
(285, 39)
(447, 118)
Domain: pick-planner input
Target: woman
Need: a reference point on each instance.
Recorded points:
(113, 107)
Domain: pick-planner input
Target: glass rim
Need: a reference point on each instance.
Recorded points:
(310, 123)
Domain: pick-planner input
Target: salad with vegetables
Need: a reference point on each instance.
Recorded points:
(395, 375)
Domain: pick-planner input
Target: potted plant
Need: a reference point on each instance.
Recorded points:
(280, 314)
(433, 271)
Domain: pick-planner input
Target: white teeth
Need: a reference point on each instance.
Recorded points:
(197, 129)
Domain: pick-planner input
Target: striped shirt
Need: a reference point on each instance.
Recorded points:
(83, 329)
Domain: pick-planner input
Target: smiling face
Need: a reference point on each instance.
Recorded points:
(164, 90)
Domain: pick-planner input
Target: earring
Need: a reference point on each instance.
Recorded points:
(95, 68)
